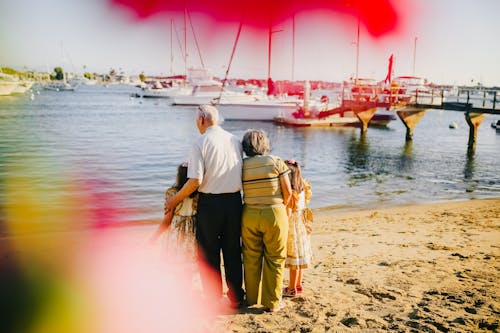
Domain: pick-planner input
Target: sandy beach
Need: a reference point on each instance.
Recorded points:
(418, 268)
(428, 268)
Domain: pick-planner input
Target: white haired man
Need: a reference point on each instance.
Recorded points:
(214, 169)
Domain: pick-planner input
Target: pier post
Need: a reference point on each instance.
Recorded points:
(474, 120)
(410, 118)
(364, 117)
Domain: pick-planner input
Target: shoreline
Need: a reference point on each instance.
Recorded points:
(332, 209)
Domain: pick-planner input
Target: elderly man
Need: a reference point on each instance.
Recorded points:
(214, 168)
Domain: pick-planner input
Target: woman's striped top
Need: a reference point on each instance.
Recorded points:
(261, 180)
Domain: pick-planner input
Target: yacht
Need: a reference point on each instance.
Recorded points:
(204, 89)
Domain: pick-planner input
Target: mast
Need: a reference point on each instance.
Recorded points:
(195, 40)
(357, 56)
(269, 49)
(414, 53)
(185, 41)
(171, 46)
(293, 46)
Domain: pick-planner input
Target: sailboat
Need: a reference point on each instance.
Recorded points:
(176, 84)
(259, 107)
(361, 97)
(59, 85)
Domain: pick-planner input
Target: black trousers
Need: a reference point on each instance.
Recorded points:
(219, 228)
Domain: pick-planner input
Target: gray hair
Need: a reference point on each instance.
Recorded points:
(208, 112)
(255, 142)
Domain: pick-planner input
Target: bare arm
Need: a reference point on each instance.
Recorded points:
(191, 185)
(167, 219)
(286, 189)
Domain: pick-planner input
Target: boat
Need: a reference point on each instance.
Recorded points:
(340, 116)
(168, 89)
(59, 85)
(312, 115)
(496, 125)
(262, 110)
(204, 89)
(417, 89)
(8, 83)
(382, 118)
(22, 87)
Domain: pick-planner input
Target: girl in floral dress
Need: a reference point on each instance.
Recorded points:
(179, 226)
(299, 240)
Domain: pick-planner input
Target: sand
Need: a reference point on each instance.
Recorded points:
(428, 268)
(418, 268)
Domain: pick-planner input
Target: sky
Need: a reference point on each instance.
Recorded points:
(444, 41)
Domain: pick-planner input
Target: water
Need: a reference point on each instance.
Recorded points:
(114, 151)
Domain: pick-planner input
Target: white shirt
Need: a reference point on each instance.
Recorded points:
(215, 160)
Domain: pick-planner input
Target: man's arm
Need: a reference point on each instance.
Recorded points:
(191, 185)
(286, 188)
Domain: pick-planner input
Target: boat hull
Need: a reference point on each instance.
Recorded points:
(255, 111)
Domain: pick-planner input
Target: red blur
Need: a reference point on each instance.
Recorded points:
(378, 16)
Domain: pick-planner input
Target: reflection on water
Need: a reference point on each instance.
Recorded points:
(357, 153)
(406, 161)
(469, 164)
(122, 153)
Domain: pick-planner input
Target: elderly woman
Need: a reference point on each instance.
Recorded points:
(264, 227)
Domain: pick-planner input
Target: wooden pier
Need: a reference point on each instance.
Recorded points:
(473, 102)
(410, 108)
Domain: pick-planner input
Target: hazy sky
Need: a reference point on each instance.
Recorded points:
(458, 42)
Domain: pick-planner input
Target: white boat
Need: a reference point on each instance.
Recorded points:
(22, 87)
(160, 92)
(59, 85)
(205, 89)
(264, 110)
(166, 87)
(417, 89)
(8, 83)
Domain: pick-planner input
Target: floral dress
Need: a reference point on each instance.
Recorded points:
(299, 240)
(179, 242)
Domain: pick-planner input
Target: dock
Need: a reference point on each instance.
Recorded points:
(410, 108)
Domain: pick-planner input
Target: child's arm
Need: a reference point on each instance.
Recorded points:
(308, 191)
(167, 219)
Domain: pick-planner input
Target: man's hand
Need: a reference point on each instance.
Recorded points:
(188, 188)
(170, 203)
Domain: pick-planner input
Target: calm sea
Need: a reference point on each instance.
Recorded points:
(98, 147)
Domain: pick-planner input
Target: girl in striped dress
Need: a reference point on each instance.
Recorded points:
(299, 239)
